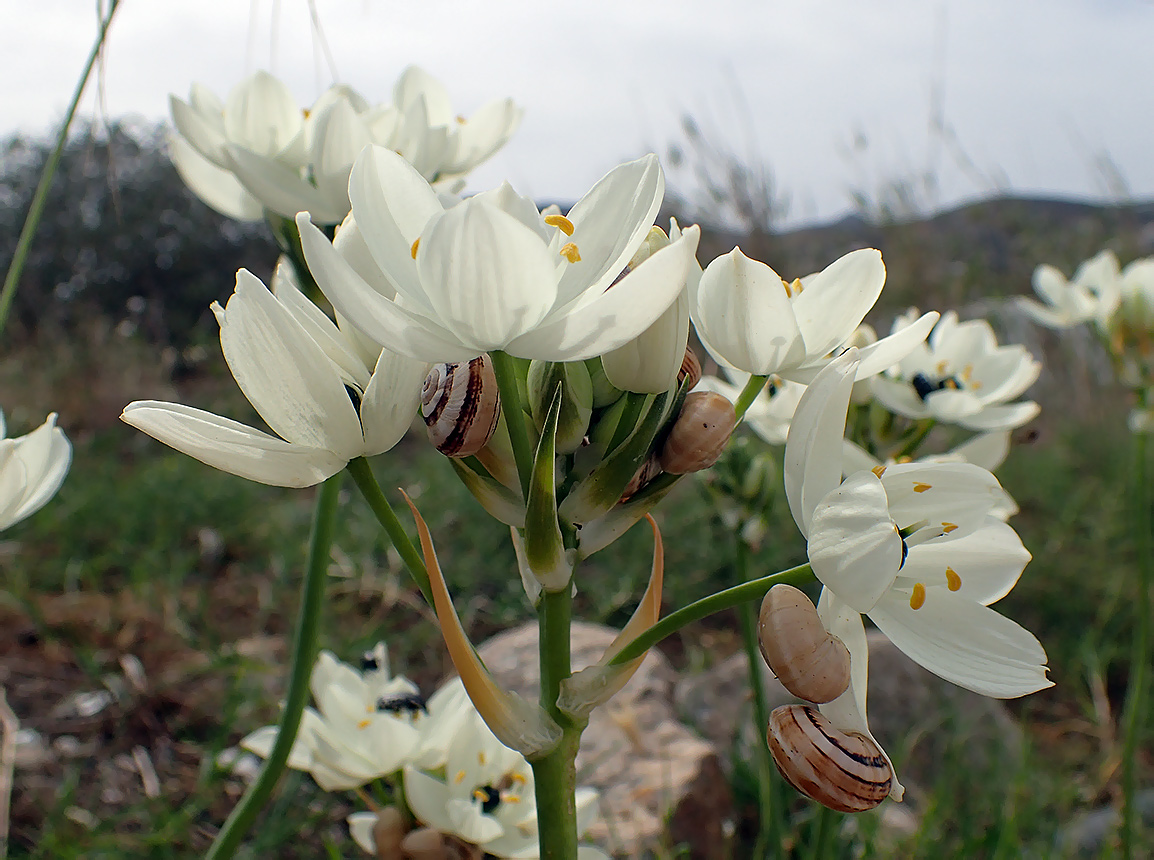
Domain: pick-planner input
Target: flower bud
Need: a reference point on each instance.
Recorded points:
(576, 399)
(605, 393)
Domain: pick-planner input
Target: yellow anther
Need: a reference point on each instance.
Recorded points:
(460, 777)
(481, 759)
(480, 795)
(949, 527)
(953, 581)
(792, 288)
(461, 120)
(364, 724)
(951, 384)
(511, 798)
(569, 252)
(413, 250)
(517, 778)
(921, 487)
(905, 458)
(878, 470)
(941, 367)
(561, 223)
(967, 372)
(918, 598)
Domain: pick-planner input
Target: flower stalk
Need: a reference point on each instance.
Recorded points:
(303, 655)
(505, 370)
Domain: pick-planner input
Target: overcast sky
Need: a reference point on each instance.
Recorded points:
(1033, 91)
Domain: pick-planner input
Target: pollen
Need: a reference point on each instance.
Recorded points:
(461, 120)
(918, 597)
(949, 527)
(481, 759)
(792, 288)
(569, 252)
(517, 778)
(953, 581)
(413, 250)
(364, 724)
(921, 487)
(878, 470)
(561, 223)
(941, 367)
(512, 798)
(460, 777)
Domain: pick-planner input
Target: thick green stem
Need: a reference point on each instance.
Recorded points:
(40, 196)
(749, 394)
(770, 826)
(699, 609)
(1135, 714)
(303, 655)
(820, 845)
(505, 369)
(367, 483)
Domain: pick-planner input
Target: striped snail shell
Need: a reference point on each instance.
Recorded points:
(645, 473)
(461, 406)
(810, 662)
(845, 771)
(690, 370)
(699, 434)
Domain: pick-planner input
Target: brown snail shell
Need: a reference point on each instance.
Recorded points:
(424, 844)
(690, 370)
(645, 473)
(461, 406)
(810, 662)
(699, 434)
(388, 833)
(845, 771)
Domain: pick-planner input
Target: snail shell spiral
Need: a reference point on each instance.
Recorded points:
(844, 771)
(461, 406)
(810, 662)
(699, 434)
(690, 369)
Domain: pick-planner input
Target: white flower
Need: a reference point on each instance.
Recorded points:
(770, 412)
(366, 724)
(1092, 295)
(486, 796)
(259, 150)
(1136, 298)
(912, 545)
(493, 273)
(32, 468)
(960, 375)
(751, 319)
(295, 367)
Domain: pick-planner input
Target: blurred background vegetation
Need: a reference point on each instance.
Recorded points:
(148, 553)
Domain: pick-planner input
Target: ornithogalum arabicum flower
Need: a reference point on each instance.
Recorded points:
(493, 272)
(32, 468)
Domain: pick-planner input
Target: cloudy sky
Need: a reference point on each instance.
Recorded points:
(832, 94)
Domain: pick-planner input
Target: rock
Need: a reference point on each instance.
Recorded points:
(1091, 834)
(658, 780)
(921, 720)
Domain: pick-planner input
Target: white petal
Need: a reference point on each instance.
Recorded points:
(988, 561)
(854, 548)
(745, 314)
(988, 450)
(281, 188)
(201, 131)
(891, 349)
(619, 314)
(340, 137)
(649, 363)
(217, 187)
(960, 494)
(232, 447)
(262, 115)
(812, 461)
(1006, 417)
(45, 455)
(837, 299)
(391, 401)
(361, 826)
(966, 643)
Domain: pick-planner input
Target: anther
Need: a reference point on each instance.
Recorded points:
(878, 470)
(460, 777)
(569, 252)
(413, 250)
(953, 581)
(918, 597)
(364, 724)
(921, 487)
(949, 527)
(481, 759)
(561, 223)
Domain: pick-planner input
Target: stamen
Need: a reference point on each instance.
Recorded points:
(921, 487)
(902, 460)
(941, 367)
(561, 223)
(878, 470)
(953, 581)
(918, 598)
(364, 724)
(948, 527)
(569, 252)
(796, 287)
(413, 250)
(460, 777)
(481, 759)
(461, 120)
(517, 778)
(511, 798)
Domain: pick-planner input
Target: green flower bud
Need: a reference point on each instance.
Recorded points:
(576, 399)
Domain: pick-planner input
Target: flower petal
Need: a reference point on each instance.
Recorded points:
(217, 187)
(280, 187)
(45, 455)
(988, 562)
(836, 299)
(391, 400)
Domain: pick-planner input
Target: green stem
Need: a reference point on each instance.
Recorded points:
(40, 196)
(697, 610)
(820, 845)
(769, 826)
(504, 368)
(1135, 709)
(303, 655)
(367, 483)
(749, 394)
(915, 441)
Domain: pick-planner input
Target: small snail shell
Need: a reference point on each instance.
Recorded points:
(699, 434)
(810, 662)
(844, 771)
(461, 406)
(424, 844)
(648, 470)
(690, 369)
(388, 833)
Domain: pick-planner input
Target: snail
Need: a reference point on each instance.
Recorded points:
(461, 406)
(699, 434)
(388, 833)
(844, 771)
(645, 473)
(690, 370)
(424, 844)
(810, 662)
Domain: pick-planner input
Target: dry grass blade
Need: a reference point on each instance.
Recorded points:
(11, 725)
